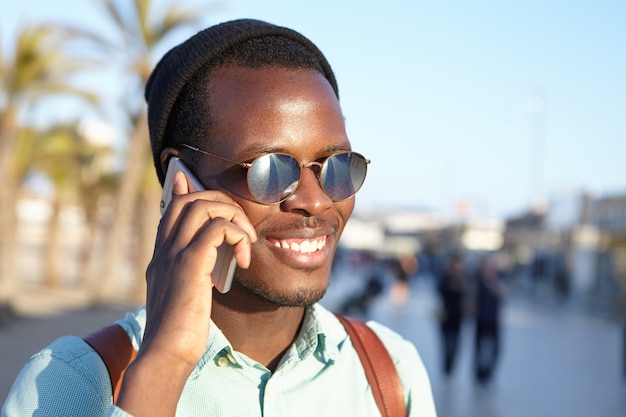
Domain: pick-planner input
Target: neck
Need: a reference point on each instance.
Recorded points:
(256, 328)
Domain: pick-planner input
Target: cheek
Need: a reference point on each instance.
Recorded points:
(345, 209)
(257, 213)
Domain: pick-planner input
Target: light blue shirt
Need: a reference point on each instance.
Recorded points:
(319, 375)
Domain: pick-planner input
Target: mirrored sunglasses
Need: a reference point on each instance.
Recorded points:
(272, 178)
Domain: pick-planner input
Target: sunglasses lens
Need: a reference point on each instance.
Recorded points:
(273, 177)
(343, 175)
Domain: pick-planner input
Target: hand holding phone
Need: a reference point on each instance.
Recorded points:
(225, 264)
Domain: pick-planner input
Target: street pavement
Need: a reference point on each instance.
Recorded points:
(556, 360)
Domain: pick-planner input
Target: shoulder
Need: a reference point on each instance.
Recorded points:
(402, 351)
(69, 369)
(398, 347)
(72, 354)
(404, 354)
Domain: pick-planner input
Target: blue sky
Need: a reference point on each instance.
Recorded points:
(483, 104)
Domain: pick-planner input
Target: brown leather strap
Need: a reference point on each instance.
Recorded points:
(114, 347)
(379, 368)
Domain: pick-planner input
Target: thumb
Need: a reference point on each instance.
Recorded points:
(180, 185)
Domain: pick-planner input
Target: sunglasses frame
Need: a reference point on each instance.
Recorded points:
(303, 166)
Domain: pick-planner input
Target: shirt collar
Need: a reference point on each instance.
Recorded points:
(314, 336)
(318, 337)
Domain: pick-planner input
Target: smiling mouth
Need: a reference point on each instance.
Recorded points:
(302, 245)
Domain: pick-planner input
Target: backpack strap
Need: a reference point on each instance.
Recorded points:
(114, 347)
(379, 368)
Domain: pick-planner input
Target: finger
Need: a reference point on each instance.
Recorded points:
(215, 233)
(201, 207)
(180, 184)
(183, 194)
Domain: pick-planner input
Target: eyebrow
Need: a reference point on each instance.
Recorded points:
(265, 149)
(342, 147)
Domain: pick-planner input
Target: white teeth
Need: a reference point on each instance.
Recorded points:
(306, 246)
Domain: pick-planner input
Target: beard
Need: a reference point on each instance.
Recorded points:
(302, 296)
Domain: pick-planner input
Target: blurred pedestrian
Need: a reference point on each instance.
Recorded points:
(403, 267)
(487, 336)
(452, 288)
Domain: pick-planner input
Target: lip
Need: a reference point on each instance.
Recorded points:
(301, 251)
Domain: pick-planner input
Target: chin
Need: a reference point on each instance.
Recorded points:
(296, 296)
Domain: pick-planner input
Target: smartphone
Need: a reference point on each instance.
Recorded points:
(225, 264)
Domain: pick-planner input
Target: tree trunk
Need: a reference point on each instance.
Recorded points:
(87, 275)
(8, 235)
(117, 242)
(8, 216)
(51, 268)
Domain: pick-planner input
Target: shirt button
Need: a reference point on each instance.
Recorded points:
(222, 361)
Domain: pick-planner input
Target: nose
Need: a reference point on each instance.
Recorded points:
(309, 198)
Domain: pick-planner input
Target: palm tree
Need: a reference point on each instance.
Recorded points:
(140, 33)
(70, 159)
(39, 67)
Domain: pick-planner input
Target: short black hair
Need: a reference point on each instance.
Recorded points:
(191, 119)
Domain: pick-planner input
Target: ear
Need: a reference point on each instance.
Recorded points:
(166, 155)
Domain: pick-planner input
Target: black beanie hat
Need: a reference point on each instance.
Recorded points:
(182, 62)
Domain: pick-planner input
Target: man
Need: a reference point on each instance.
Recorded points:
(231, 101)
(452, 290)
(489, 295)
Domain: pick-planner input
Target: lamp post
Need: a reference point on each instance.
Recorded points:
(536, 107)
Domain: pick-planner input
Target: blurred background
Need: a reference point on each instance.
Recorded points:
(497, 130)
